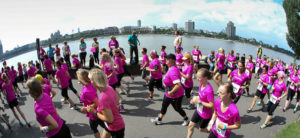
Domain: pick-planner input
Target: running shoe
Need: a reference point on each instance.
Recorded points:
(122, 92)
(21, 124)
(132, 79)
(149, 99)
(192, 92)
(295, 110)
(267, 102)
(258, 103)
(28, 124)
(63, 100)
(156, 121)
(190, 107)
(283, 110)
(263, 126)
(249, 110)
(185, 122)
(74, 107)
(121, 108)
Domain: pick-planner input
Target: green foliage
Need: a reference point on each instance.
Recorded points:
(292, 9)
(290, 131)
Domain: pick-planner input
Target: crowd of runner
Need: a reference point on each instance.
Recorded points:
(103, 87)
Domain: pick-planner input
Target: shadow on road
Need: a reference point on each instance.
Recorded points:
(233, 135)
(278, 120)
(141, 109)
(247, 119)
(80, 129)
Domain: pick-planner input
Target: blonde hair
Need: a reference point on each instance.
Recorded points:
(98, 77)
(191, 59)
(35, 87)
(83, 76)
(108, 58)
(4, 77)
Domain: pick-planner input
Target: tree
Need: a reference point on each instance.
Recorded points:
(292, 9)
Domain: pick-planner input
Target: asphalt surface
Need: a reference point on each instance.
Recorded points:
(139, 112)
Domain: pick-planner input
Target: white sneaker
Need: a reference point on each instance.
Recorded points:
(148, 99)
(185, 123)
(156, 121)
(74, 107)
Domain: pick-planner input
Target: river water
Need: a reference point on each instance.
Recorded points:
(155, 41)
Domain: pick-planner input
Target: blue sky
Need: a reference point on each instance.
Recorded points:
(23, 21)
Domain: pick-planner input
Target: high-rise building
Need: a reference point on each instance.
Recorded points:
(189, 26)
(139, 23)
(230, 29)
(174, 26)
(1, 49)
(153, 28)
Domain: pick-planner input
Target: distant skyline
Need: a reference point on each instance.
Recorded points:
(24, 21)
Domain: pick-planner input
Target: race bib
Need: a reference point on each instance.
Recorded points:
(229, 64)
(236, 88)
(219, 130)
(195, 58)
(112, 47)
(289, 79)
(199, 108)
(273, 99)
(247, 72)
(182, 80)
(257, 64)
(260, 86)
(292, 86)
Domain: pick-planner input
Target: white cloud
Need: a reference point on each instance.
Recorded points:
(23, 21)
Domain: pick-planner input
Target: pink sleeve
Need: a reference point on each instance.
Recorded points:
(105, 105)
(210, 94)
(236, 117)
(190, 70)
(174, 77)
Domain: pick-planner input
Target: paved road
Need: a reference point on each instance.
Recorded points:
(138, 115)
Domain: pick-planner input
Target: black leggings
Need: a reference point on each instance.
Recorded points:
(63, 133)
(155, 82)
(188, 92)
(271, 108)
(236, 99)
(64, 93)
(176, 103)
(126, 71)
(82, 58)
(135, 50)
(67, 60)
(117, 134)
(72, 87)
(290, 95)
(96, 57)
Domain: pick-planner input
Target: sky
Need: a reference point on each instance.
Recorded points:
(21, 22)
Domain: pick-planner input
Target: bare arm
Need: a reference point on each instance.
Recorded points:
(52, 123)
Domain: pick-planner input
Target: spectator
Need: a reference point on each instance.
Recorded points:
(177, 41)
(132, 41)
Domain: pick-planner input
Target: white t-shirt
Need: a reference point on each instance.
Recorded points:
(177, 40)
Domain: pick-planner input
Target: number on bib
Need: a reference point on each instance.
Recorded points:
(219, 130)
(236, 88)
(273, 99)
(247, 72)
(260, 86)
(195, 58)
(183, 80)
(230, 64)
(199, 108)
(112, 47)
(292, 86)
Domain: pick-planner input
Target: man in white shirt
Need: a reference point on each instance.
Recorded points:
(177, 41)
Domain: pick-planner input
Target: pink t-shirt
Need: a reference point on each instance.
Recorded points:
(47, 81)
(188, 69)
(221, 61)
(272, 72)
(42, 52)
(120, 69)
(294, 80)
(264, 62)
(43, 108)
(249, 65)
(258, 62)
(47, 89)
(76, 62)
(64, 66)
(31, 71)
(155, 63)
(57, 51)
(8, 88)
(171, 78)
(88, 94)
(239, 80)
(107, 100)
(11, 75)
(113, 44)
(178, 59)
(145, 59)
(48, 64)
(206, 95)
(20, 70)
(196, 55)
(4, 63)
(108, 69)
(279, 88)
(265, 79)
(163, 55)
(61, 74)
(230, 60)
(230, 116)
